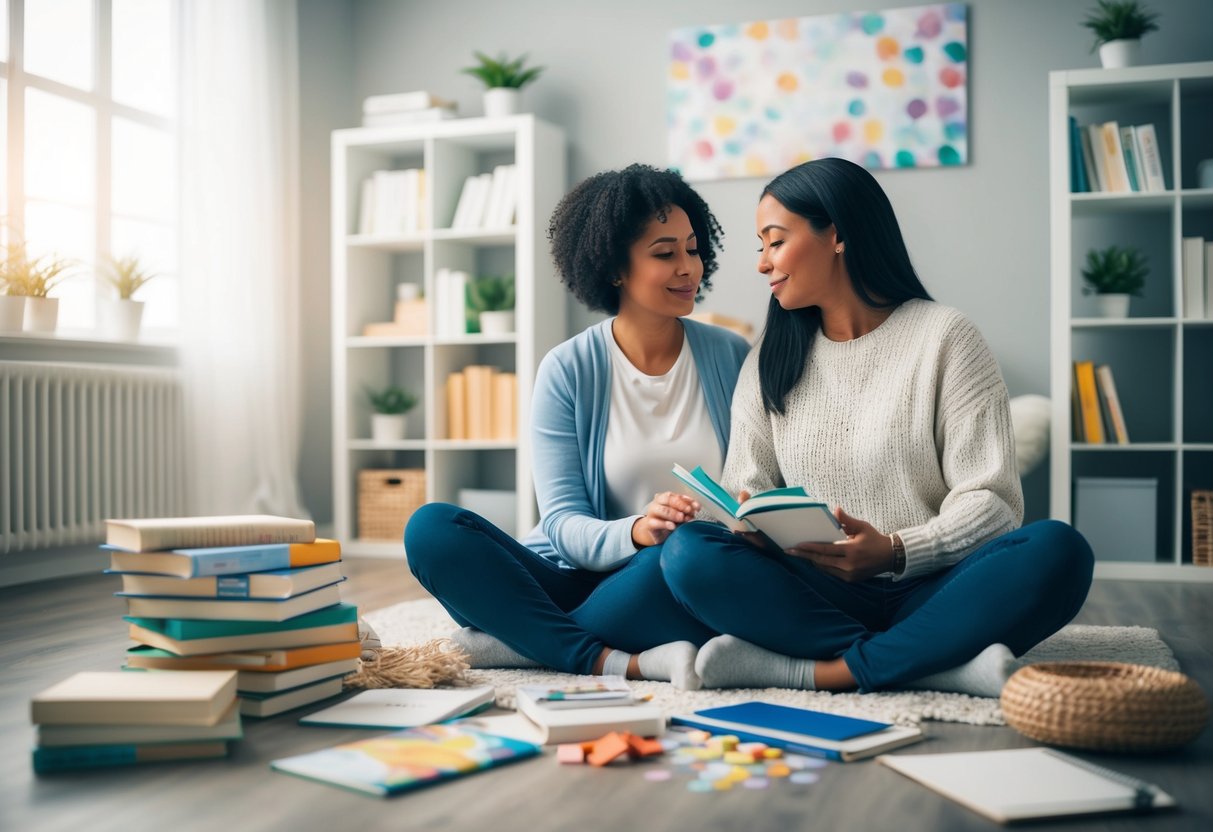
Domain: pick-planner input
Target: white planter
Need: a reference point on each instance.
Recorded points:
(388, 427)
(41, 314)
(1117, 54)
(12, 313)
(119, 319)
(1112, 306)
(497, 323)
(501, 101)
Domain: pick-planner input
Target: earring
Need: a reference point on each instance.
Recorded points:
(838, 250)
(617, 282)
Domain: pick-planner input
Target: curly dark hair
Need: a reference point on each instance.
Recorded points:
(597, 222)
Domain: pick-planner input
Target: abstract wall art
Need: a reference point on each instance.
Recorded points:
(884, 89)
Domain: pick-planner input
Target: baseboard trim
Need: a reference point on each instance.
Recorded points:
(47, 564)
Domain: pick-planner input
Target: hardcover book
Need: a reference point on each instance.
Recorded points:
(118, 698)
(403, 708)
(786, 515)
(225, 560)
(278, 702)
(60, 736)
(248, 681)
(802, 731)
(235, 609)
(584, 692)
(188, 629)
(281, 583)
(407, 760)
(559, 725)
(263, 662)
(145, 535)
(263, 640)
(47, 760)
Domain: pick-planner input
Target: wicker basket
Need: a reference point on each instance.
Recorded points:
(1104, 706)
(1202, 528)
(386, 500)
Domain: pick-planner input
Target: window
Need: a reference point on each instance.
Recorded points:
(88, 120)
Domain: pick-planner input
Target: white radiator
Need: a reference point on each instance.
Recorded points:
(80, 443)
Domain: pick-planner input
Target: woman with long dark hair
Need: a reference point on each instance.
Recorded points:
(890, 407)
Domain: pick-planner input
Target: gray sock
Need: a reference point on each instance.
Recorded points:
(983, 675)
(485, 650)
(729, 662)
(370, 640)
(673, 663)
(616, 663)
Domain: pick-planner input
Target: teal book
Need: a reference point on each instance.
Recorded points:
(186, 629)
(224, 560)
(48, 760)
(406, 760)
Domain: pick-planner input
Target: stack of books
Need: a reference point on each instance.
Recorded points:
(488, 200)
(1112, 158)
(257, 594)
(418, 107)
(587, 708)
(93, 720)
(393, 202)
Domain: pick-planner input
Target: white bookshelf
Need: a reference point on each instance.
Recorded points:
(366, 269)
(1162, 361)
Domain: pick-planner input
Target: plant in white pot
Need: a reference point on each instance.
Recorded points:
(1118, 26)
(492, 297)
(1114, 275)
(33, 278)
(390, 404)
(503, 80)
(120, 317)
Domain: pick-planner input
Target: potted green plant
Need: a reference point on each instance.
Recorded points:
(1113, 275)
(503, 81)
(120, 317)
(1118, 26)
(32, 279)
(390, 404)
(492, 297)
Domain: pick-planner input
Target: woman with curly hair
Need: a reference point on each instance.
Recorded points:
(614, 407)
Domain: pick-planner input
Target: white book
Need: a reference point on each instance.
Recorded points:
(1193, 260)
(457, 284)
(404, 102)
(441, 300)
(57, 736)
(459, 220)
(366, 207)
(1128, 146)
(1151, 159)
(261, 681)
(504, 216)
(387, 216)
(423, 205)
(497, 187)
(1024, 783)
(477, 211)
(584, 724)
(261, 704)
(408, 182)
(413, 117)
(1139, 167)
(403, 708)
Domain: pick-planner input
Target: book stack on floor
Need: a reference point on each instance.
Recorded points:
(586, 709)
(257, 594)
(95, 720)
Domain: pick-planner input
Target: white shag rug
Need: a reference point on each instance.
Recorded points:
(416, 622)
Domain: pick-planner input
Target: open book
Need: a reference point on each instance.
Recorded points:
(786, 515)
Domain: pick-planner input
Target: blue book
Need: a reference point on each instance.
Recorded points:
(185, 629)
(224, 560)
(1078, 170)
(802, 731)
(104, 756)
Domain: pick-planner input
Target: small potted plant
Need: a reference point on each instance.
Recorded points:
(1118, 26)
(493, 299)
(1113, 275)
(390, 404)
(503, 80)
(120, 317)
(32, 278)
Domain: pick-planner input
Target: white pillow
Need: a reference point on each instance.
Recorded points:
(1030, 418)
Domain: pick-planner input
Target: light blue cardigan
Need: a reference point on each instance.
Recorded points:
(569, 416)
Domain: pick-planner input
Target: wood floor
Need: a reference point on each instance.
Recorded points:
(52, 629)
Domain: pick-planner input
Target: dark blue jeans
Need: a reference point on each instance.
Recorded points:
(1016, 590)
(559, 617)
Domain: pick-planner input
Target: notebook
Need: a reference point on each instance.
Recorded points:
(1026, 783)
(559, 725)
(402, 708)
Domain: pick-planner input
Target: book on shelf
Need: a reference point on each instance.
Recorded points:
(505, 406)
(1078, 173)
(1088, 401)
(403, 708)
(1076, 428)
(1110, 403)
(1088, 160)
(482, 404)
(255, 662)
(473, 199)
(60, 736)
(803, 731)
(250, 681)
(260, 705)
(52, 759)
(153, 534)
(124, 698)
(557, 725)
(479, 400)
(456, 406)
(786, 515)
(235, 609)
(405, 760)
(426, 116)
(1192, 260)
(405, 102)
(587, 692)
(1151, 159)
(278, 583)
(1109, 157)
(450, 303)
(1021, 784)
(1132, 148)
(1209, 280)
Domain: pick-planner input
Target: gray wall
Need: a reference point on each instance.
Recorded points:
(979, 235)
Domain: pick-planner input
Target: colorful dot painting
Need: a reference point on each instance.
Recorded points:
(883, 89)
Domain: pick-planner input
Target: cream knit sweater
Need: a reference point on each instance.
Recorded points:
(907, 427)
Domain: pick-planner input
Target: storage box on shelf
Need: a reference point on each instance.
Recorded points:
(1160, 354)
(421, 246)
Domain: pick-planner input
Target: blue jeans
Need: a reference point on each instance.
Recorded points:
(561, 618)
(1016, 590)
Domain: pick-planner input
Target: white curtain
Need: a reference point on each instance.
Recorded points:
(239, 255)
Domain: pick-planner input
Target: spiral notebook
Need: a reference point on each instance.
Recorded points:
(1026, 783)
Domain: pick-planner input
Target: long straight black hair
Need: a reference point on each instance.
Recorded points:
(840, 193)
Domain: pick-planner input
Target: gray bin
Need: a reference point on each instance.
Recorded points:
(1118, 517)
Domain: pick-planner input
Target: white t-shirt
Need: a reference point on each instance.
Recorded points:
(654, 422)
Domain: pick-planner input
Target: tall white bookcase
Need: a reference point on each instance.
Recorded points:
(1162, 358)
(366, 270)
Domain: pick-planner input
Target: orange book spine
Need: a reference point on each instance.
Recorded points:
(1088, 398)
(505, 406)
(479, 401)
(317, 552)
(456, 406)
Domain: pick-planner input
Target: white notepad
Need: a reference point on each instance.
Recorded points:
(402, 708)
(1025, 783)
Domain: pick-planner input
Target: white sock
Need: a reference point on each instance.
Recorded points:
(485, 650)
(673, 663)
(729, 662)
(983, 675)
(369, 638)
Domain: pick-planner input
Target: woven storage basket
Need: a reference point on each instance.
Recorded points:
(1104, 706)
(386, 500)
(1202, 528)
